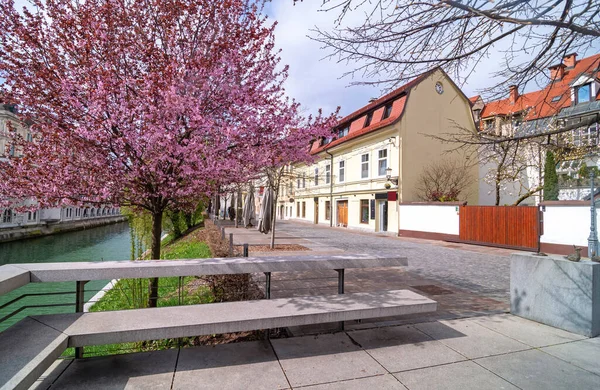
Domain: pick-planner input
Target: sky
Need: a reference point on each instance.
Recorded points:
(317, 82)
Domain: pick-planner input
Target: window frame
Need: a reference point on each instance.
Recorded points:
(327, 210)
(328, 174)
(316, 176)
(379, 159)
(303, 209)
(368, 119)
(342, 171)
(362, 163)
(578, 88)
(364, 203)
(7, 216)
(387, 111)
(342, 132)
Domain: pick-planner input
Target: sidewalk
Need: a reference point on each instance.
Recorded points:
(494, 352)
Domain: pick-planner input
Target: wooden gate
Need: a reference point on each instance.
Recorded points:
(503, 226)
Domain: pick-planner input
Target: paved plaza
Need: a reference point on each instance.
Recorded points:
(491, 352)
(470, 342)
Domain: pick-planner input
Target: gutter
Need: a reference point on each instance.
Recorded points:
(330, 190)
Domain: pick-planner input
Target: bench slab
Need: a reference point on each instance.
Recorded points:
(108, 270)
(99, 328)
(12, 277)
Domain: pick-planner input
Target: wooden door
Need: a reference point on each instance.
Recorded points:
(503, 226)
(316, 219)
(342, 213)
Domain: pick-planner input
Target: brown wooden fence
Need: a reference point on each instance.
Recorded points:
(504, 226)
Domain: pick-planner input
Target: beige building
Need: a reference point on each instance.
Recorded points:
(8, 116)
(376, 156)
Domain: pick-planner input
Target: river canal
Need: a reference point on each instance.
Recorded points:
(104, 243)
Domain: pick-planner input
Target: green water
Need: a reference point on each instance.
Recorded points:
(104, 243)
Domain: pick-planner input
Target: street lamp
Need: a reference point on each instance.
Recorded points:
(591, 162)
(389, 178)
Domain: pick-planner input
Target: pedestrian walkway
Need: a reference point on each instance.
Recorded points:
(492, 352)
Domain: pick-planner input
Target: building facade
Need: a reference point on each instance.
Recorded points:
(571, 100)
(375, 157)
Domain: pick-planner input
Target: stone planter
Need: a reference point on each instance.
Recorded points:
(556, 292)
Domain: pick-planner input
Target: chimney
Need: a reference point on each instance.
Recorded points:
(557, 72)
(570, 60)
(513, 94)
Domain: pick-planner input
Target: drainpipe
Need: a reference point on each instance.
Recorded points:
(330, 190)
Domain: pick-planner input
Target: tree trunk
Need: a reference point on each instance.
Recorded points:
(274, 218)
(527, 195)
(156, 235)
(497, 193)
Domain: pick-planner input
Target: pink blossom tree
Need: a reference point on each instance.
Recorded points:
(144, 103)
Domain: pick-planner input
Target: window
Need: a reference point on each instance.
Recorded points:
(364, 211)
(29, 137)
(343, 131)
(286, 211)
(327, 210)
(368, 119)
(327, 174)
(382, 162)
(298, 183)
(303, 209)
(364, 166)
(291, 187)
(327, 140)
(7, 216)
(317, 176)
(583, 93)
(32, 216)
(342, 175)
(303, 180)
(387, 112)
(556, 98)
(585, 136)
(298, 210)
(12, 150)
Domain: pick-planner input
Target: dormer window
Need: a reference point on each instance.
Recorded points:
(368, 119)
(387, 112)
(583, 93)
(343, 131)
(327, 140)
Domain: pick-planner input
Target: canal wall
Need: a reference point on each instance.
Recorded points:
(24, 232)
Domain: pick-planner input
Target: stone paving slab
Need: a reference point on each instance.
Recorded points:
(12, 277)
(146, 370)
(535, 370)
(402, 348)
(379, 382)
(584, 354)
(248, 365)
(456, 376)
(470, 339)
(327, 358)
(527, 332)
(345, 360)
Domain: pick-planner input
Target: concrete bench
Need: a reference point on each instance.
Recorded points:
(37, 341)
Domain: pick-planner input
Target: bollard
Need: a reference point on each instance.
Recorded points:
(231, 244)
(245, 253)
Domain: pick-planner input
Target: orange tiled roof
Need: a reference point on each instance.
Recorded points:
(539, 103)
(473, 99)
(357, 119)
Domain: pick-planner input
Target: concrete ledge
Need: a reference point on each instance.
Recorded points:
(183, 321)
(28, 348)
(108, 270)
(11, 278)
(556, 292)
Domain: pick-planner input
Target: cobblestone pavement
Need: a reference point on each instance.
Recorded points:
(486, 274)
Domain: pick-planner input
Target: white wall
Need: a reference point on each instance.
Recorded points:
(429, 218)
(567, 225)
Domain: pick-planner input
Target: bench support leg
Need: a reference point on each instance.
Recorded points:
(79, 302)
(341, 291)
(267, 296)
(268, 285)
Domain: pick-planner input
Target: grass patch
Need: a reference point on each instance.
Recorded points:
(172, 291)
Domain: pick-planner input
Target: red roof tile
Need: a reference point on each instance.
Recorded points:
(539, 103)
(398, 97)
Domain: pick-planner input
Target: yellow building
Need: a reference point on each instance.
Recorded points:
(8, 115)
(376, 156)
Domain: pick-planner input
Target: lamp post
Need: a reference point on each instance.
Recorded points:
(591, 162)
